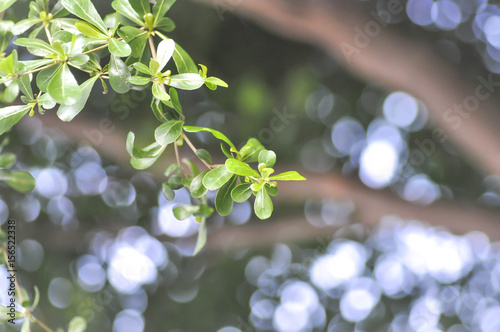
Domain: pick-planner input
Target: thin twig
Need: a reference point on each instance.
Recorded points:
(193, 148)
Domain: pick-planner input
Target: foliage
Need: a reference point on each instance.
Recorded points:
(121, 50)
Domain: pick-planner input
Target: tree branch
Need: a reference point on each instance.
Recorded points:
(389, 59)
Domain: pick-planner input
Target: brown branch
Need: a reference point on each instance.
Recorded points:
(370, 205)
(389, 59)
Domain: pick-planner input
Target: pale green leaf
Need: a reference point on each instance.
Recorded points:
(168, 132)
(217, 134)
(240, 168)
(242, 193)
(63, 87)
(288, 176)
(215, 178)
(263, 205)
(186, 81)
(77, 324)
(10, 115)
(85, 10)
(119, 48)
(68, 112)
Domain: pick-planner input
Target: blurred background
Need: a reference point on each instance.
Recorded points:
(390, 110)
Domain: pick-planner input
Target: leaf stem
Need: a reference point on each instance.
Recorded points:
(42, 324)
(193, 148)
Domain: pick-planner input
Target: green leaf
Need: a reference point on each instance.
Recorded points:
(135, 38)
(215, 178)
(167, 191)
(204, 155)
(143, 158)
(263, 205)
(223, 200)
(168, 132)
(183, 61)
(77, 324)
(250, 151)
(119, 75)
(201, 241)
(36, 299)
(157, 108)
(142, 68)
(242, 192)
(5, 313)
(36, 46)
(159, 93)
(164, 53)
(166, 24)
(85, 10)
(160, 9)
(267, 157)
(7, 160)
(216, 81)
(24, 25)
(79, 59)
(21, 181)
(26, 325)
(140, 6)
(174, 97)
(273, 191)
(186, 81)
(197, 188)
(67, 112)
(45, 76)
(63, 87)
(90, 31)
(5, 4)
(139, 80)
(119, 48)
(240, 168)
(288, 176)
(182, 212)
(34, 64)
(5, 34)
(11, 115)
(126, 10)
(11, 92)
(217, 134)
(25, 86)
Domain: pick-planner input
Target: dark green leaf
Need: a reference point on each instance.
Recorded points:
(85, 10)
(288, 176)
(241, 193)
(135, 38)
(204, 155)
(68, 112)
(166, 24)
(25, 86)
(263, 205)
(63, 87)
(160, 9)
(223, 200)
(273, 191)
(183, 61)
(45, 76)
(168, 132)
(215, 178)
(9, 116)
(119, 75)
(174, 97)
(140, 6)
(157, 107)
